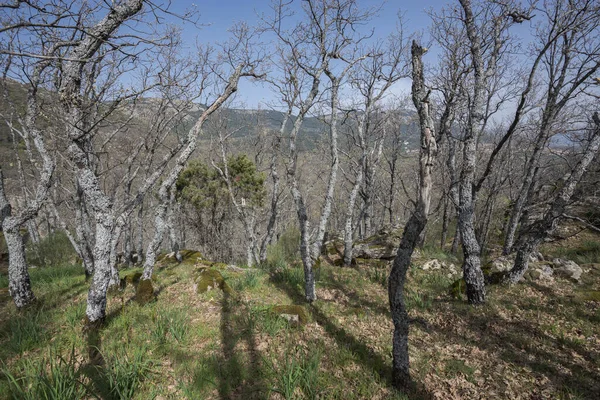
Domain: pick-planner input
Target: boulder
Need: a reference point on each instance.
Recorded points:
(144, 292)
(209, 279)
(567, 269)
(500, 264)
(294, 314)
(432, 265)
(540, 272)
(383, 245)
(437, 265)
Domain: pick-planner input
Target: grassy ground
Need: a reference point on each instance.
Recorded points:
(531, 341)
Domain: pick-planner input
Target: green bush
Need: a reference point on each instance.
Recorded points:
(54, 249)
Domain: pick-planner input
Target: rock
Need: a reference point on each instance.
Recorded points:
(540, 272)
(432, 265)
(416, 254)
(145, 292)
(567, 269)
(383, 245)
(294, 314)
(536, 256)
(210, 279)
(500, 264)
(187, 257)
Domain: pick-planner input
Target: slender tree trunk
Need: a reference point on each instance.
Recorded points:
(415, 225)
(349, 225)
(274, 201)
(171, 179)
(160, 226)
(445, 221)
(524, 191)
(139, 246)
(473, 275)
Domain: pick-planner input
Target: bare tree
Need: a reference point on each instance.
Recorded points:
(567, 47)
(324, 44)
(415, 224)
(240, 60)
(535, 233)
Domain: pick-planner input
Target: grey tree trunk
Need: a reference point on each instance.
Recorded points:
(415, 225)
(333, 147)
(349, 225)
(472, 272)
(524, 191)
(84, 233)
(139, 245)
(274, 197)
(535, 234)
(18, 275)
(96, 303)
(71, 99)
(19, 283)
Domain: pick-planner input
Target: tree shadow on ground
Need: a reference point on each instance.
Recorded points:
(365, 356)
(238, 365)
(524, 343)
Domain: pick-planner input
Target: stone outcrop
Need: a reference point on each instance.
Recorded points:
(567, 269)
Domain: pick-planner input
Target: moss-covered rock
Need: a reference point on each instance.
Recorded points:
(209, 279)
(133, 278)
(144, 292)
(188, 257)
(295, 314)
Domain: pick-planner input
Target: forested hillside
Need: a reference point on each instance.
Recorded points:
(412, 214)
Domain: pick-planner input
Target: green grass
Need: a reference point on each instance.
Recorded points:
(588, 252)
(126, 370)
(217, 345)
(296, 370)
(51, 377)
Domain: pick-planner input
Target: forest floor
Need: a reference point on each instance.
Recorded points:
(530, 341)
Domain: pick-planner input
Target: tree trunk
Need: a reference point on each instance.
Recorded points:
(19, 283)
(473, 275)
(415, 225)
(139, 246)
(160, 226)
(349, 225)
(96, 303)
(524, 192)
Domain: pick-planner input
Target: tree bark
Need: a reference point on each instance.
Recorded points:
(415, 225)
(472, 272)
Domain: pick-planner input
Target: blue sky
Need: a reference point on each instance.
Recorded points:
(218, 16)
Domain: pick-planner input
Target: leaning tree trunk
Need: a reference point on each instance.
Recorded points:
(524, 191)
(160, 217)
(535, 234)
(415, 225)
